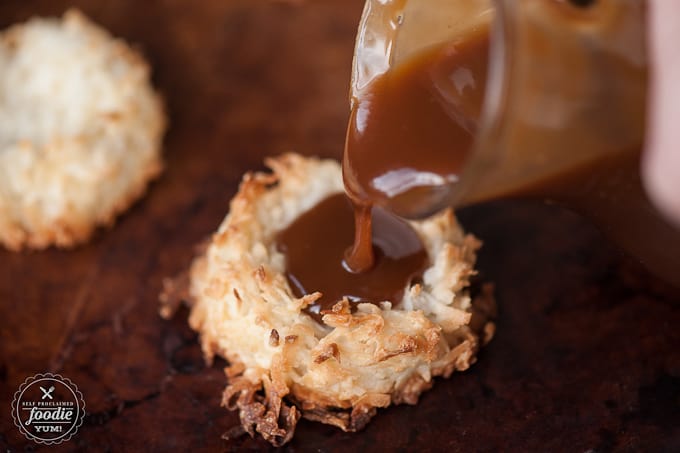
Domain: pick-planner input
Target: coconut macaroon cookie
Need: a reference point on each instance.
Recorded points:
(80, 130)
(342, 365)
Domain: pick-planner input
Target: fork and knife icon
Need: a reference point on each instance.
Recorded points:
(47, 393)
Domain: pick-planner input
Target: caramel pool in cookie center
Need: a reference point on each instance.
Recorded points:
(316, 244)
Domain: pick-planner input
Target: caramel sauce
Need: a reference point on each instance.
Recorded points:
(410, 132)
(316, 243)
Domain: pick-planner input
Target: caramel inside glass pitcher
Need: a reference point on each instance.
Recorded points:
(456, 103)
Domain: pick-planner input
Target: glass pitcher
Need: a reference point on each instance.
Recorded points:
(563, 110)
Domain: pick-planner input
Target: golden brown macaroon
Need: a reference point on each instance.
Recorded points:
(283, 363)
(80, 131)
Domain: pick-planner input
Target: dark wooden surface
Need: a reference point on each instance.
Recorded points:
(587, 355)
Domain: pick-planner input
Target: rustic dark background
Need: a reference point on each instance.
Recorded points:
(587, 355)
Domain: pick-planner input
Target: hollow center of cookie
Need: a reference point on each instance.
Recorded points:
(315, 246)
